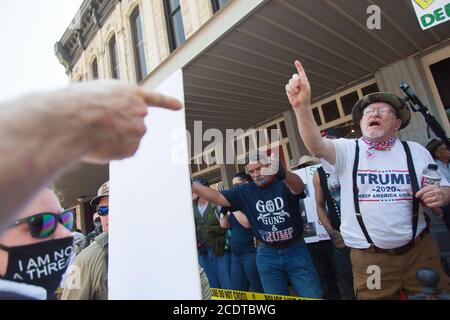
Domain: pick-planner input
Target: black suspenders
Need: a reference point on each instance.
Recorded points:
(415, 189)
(414, 186)
(356, 195)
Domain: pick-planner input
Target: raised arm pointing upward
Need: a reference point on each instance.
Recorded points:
(298, 91)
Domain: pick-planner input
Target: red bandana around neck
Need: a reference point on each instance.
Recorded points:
(380, 146)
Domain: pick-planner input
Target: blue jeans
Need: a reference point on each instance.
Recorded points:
(344, 273)
(321, 253)
(277, 266)
(217, 269)
(245, 272)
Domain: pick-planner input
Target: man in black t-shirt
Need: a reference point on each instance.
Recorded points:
(270, 204)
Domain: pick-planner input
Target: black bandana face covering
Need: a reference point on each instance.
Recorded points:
(41, 264)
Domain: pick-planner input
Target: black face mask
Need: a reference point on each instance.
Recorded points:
(41, 264)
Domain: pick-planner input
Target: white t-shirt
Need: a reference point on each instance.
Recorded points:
(385, 193)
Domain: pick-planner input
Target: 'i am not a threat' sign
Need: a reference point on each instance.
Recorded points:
(431, 12)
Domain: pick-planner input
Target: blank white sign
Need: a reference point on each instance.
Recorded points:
(152, 249)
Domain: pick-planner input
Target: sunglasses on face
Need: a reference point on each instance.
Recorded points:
(103, 211)
(43, 225)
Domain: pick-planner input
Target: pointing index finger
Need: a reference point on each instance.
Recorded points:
(156, 99)
(301, 72)
(299, 67)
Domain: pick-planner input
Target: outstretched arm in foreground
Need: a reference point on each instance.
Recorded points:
(43, 134)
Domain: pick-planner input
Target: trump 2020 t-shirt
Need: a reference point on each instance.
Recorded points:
(385, 193)
(272, 211)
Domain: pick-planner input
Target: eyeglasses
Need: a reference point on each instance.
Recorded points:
(103, 211)
(381, 111)
(43, 225)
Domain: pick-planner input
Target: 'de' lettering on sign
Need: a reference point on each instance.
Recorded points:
(430, 13)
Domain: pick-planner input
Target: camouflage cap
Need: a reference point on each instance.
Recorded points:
(103, 191)
(400, 106)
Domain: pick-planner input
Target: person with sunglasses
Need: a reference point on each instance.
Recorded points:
(36, 249)
(93, 261)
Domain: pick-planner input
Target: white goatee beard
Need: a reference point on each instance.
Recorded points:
(373, 134)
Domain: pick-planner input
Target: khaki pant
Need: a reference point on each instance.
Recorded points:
(396, 272)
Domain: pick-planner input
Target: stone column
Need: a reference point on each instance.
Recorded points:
(296, 144)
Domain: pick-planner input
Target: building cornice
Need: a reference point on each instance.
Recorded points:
(88, 20)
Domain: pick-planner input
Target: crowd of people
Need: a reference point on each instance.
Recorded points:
(368, 193)
(378, 221)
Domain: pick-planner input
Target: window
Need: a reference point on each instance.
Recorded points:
(330, 111)
(260, 138)
(218, 4)
(94, 69)
(283, 129)
(440, 71)
(247, 143)
(317, 116)
(276, 133)
(196, 165)
(211, 156)
(370, 89)
(174, 23)
(114, 58)
(348, 101)
(236, 150)
(288, 147)
(138, 45)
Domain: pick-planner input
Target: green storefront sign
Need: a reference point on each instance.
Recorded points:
(429, 20)
(430, 13)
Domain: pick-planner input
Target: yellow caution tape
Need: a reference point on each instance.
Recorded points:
(221, 294)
